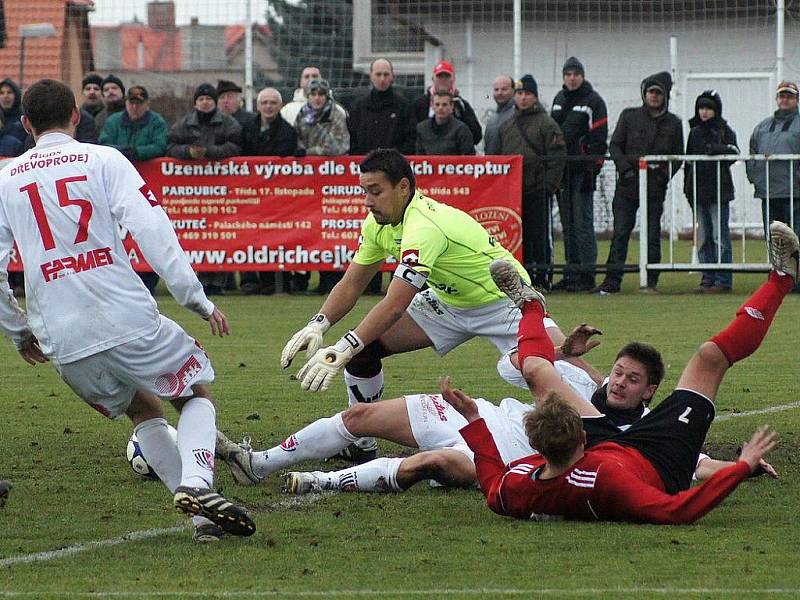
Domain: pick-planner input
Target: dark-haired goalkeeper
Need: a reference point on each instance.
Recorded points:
(441, 294)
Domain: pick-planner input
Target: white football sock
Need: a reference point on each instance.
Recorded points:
(197, 434)
(364, 389)
(160, 451)
(379, 475)
(321, 439)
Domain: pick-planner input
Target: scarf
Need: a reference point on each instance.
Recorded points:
(312, 116)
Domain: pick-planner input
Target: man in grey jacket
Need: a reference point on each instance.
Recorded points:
(778, 134)
(443, 133)
(503, 92)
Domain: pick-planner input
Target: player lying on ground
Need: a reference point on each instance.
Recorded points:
(90, 314)
(429, 424)
(588, 469)
(433, 243)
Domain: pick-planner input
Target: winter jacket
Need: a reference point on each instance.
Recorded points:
(243, 116)
(778, 134)
(547, 139)
(280, 139)
(462, 111)
(581, 115)
(109, 109)
(291, 109)
(11, 117)
(138, 140)
(638, 133)
(450, 138)
(709, 137)
(10, 146)
(381, 120)
(491, 135)
(326, 137)
(222, 136)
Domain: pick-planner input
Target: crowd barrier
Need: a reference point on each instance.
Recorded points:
(305, 214)
(748, 224)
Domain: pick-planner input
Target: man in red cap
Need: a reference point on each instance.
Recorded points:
(444, 80)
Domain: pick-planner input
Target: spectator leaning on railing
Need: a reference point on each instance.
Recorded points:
(581, 114)
(778, 134)
(537, 137)
(206, 133)
(710, 134)
(647, 129)
(443, 133)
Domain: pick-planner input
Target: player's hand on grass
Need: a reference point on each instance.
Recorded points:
(763, 442)
(465, 405)
(317, 374)
(30, 351)
(219, 323)
(764, 468)
(308, 338)
(579, 341)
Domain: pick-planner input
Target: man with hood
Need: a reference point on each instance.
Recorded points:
(534, 134)
(444, 79)
(778, 134)
(11, 107)
(710, 134)
(581, 114)
(647, 129)
(291, 109)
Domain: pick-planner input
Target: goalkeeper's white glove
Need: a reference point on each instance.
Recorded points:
(309, 337)
(317, 373)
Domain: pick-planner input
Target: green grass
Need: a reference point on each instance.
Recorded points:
(73, 484)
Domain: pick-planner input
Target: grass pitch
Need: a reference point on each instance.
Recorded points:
(113, 534)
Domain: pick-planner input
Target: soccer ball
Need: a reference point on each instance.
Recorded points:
(137, 460)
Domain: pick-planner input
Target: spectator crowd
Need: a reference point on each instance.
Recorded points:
(563, 152)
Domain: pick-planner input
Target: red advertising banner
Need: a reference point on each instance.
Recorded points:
(276, 214)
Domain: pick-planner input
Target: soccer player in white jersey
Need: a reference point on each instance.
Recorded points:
(63, 202)
(435, 245)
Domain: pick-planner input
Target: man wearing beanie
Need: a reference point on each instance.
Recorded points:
(206, 133)
(647, 129)
(537, 137)
(778, 134)
(581, 114)
(92, 87)
(114, 98)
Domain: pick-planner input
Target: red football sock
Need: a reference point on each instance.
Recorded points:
(744, 334)
(532, 339)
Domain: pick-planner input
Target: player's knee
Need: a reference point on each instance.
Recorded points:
(712, 356)
(443, 468)
(144, 407)
(367, 363)
(355, 417)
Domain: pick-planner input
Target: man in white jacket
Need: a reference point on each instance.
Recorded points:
(63, 202)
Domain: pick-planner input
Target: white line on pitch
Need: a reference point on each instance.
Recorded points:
(760, 411)
(557, 592)
(132, 536)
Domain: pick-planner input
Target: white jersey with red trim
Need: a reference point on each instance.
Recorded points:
(64, 202)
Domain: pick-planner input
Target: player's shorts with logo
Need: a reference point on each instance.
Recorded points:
(449, 326)
(670, 436)
(166, 363)
(435, 425)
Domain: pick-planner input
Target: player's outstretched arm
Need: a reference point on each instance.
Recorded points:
(339, 302)
(764, 441)
(707, 466)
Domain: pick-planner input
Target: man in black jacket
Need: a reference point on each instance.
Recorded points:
(266, 134)
(382, 118)
(647, 129)
(444, 79)
(711, 134)
(581, 114)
